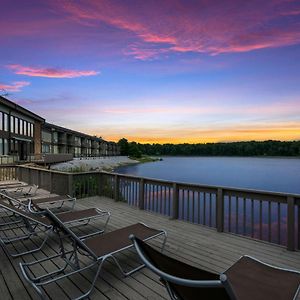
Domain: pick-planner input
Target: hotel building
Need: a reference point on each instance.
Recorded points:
(24, 134)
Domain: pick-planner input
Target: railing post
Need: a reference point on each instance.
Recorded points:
(100, 184)
(220, 211)
(29, 176)
(175, 205)
(70, 185)
(116, 189)
(291, 223)
(17, 173)
(141, 194)
(39, 183)
(51, 182)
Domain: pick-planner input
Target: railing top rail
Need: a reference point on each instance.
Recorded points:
(225, 189)
(44, 170)
(8, 166)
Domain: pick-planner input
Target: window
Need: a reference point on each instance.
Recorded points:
(1, 146)
(31, 126)
(21, 127)
(45, 148)
(5, 148)
(16, 125)
(28, 129)
(5, 122)
(77, 141)
(24, 127)
(46, 136)
(55, 149)
(1, 120)
(55, 137)
(12, 124)
(12, 146)
(77, 151)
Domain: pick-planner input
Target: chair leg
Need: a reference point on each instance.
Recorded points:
(43, 280)
(128, 273)
(5, 243)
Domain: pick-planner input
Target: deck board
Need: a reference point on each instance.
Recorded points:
(194, 244)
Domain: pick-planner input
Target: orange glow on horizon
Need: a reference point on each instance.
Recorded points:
(286, 134)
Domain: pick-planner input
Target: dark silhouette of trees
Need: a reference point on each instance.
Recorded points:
(249, 148)
(123, 144)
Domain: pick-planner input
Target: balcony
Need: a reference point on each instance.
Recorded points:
(62, 141)
(95, 144)
(196, 245)
(197, 239)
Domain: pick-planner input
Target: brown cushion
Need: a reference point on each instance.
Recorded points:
(78, 215)
(251, 279)
(115, 240)
(50, 199)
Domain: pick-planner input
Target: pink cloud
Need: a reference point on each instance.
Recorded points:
(15, 86)
(200, 27)
(49, 72)
(140, 52)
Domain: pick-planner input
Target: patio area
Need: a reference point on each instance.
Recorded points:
(197, 245)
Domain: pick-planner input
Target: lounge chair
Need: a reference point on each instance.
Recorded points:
(26, 226)
(22, 191)
(56, 202)
(96, 250)
(9, 185)
(38, 205)
(247, 279)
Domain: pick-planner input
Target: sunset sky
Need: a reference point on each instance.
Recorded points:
(156, 70)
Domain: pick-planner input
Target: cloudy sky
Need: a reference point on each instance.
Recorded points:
(156, 70)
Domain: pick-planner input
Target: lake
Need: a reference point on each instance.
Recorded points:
(271, 174)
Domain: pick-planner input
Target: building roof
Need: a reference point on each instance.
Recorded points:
(20, 109)
(67, 130)
(46, 125)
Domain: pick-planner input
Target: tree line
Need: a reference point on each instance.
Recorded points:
(250, 148)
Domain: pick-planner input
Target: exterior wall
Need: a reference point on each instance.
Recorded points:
(20, 131)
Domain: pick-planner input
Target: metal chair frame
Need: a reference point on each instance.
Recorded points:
(166, 278)
(31, 227)
(71, 259)
(35, 227)
(35, 208)
(223, 282)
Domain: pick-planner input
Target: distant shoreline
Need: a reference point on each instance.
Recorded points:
(268, 148)
(235, 156)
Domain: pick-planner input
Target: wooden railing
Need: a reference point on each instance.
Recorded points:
(8, 172)
(267, 216)
(8, 159)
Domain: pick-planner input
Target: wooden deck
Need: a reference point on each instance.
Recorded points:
(194, 244)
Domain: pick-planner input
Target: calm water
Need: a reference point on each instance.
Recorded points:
(272, 174)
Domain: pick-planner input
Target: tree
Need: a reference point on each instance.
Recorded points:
(124, 147)
(133, 150)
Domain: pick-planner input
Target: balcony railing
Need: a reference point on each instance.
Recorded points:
(267, 216)
(62, 140)
(8, 172)
(8, 159)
